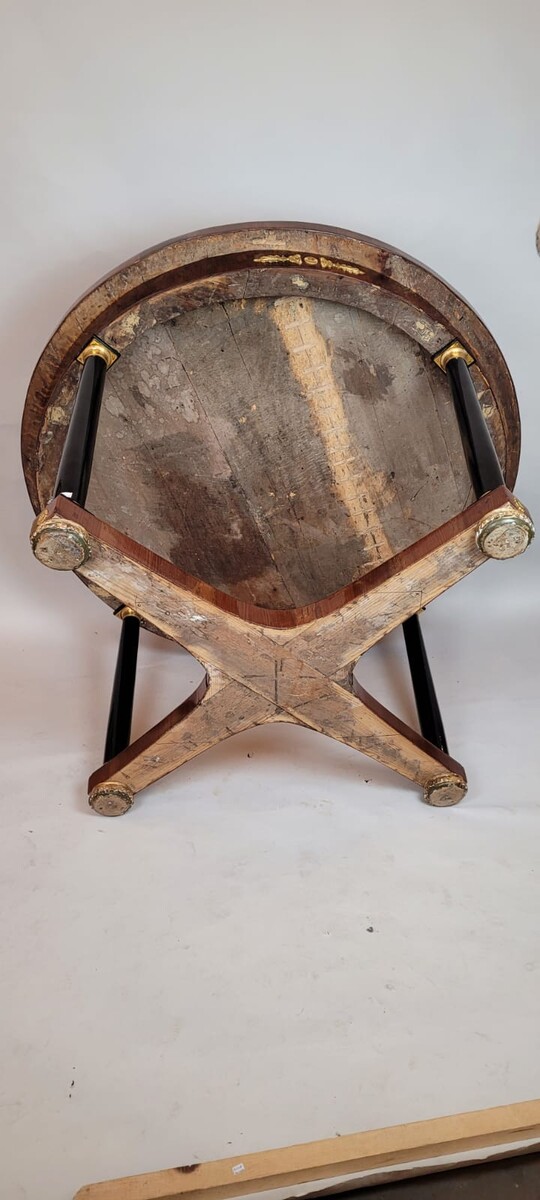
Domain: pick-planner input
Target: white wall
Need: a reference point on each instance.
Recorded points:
(124, 124)
(127, 123)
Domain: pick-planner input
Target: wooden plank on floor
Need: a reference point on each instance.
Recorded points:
(330, 1158)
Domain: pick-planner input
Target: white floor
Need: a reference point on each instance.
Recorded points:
(199, 978)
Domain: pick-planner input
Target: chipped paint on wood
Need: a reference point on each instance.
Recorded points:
(310, 260)
(268, 259)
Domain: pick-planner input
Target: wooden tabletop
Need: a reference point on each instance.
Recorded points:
(275, 424)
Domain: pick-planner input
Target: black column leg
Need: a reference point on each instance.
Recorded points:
(121, 710)
(75, 467)
(507, 533)
(429, 713)
(482, 460)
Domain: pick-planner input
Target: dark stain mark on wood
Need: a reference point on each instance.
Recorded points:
(228, 263)
(277, 449)
(356, 376)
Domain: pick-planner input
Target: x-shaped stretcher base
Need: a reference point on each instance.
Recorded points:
(257, 673)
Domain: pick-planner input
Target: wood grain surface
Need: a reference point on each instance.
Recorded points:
(330, 1158)
(277, 449)
(299, 670)
(275, 424)
(212, 714)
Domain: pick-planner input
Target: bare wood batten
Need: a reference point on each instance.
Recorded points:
(329, 1159)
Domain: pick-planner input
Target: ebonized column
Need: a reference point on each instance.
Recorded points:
(121, 710)
(75, 467)
(429, 714)
(482, 460)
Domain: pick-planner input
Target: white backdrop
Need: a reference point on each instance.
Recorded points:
(197, 978)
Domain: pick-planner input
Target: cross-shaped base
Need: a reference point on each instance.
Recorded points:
(264, 666)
